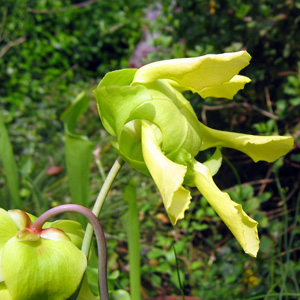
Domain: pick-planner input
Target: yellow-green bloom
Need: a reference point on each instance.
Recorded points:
(39, 265)
(157, 132)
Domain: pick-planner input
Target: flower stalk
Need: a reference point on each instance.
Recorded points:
(87, 240)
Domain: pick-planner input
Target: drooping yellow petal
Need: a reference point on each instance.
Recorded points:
(227, 89)
(266, 148)
(198, 73)
(240, 224)
(167, 175)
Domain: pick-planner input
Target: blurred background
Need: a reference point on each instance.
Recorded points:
(51, 51)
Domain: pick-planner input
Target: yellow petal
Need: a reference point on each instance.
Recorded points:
(196, 73)
(240, 224)
(167, 175)
(267, 148)
(227, 89)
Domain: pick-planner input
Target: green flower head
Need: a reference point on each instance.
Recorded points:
(39, 265)
(157, 132)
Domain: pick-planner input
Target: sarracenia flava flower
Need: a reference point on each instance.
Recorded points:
(39, 265)
(157, 132)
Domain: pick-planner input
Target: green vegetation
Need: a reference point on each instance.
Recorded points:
(51, 51)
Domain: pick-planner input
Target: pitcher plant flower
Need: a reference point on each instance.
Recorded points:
(157, 132)
(39, 264)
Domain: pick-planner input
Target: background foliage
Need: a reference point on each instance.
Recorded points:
(50, 51)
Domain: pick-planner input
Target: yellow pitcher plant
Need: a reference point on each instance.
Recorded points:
(157, 132)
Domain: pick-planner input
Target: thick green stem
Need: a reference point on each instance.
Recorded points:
(133, 238)
(87, 240)
(36, 227)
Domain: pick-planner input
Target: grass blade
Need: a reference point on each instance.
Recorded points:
(78, 153)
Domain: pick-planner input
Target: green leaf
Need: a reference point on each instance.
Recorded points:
(9, 165)
(78, 153)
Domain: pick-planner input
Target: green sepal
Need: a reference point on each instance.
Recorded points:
(115, 114)
(169, 111)
(20, 217)
(72, 228)
(119, 77)
(131, 147)
(8, 228)
(27, 235)
(44, 269)
(33, 218)
(158, 103)
(214, 162)
(54, 234)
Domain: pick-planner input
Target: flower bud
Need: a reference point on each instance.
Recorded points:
(37, 265)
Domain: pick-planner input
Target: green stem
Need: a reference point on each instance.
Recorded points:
(87, 240)
(133, 237)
